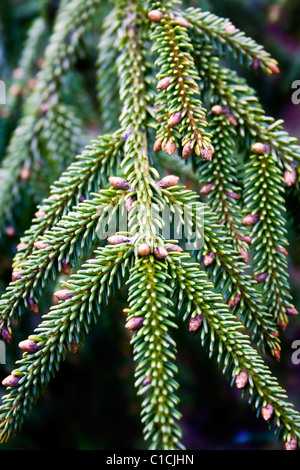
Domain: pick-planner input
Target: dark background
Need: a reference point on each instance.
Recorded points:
(91, 404)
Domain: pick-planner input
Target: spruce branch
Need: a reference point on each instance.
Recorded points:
(73, 234)
(66, 324)
(225, 37)
(240, 102)
(226, 270)
(90, 170)
(221, 185)
(264, 202)
(181, 116)
(156, 65)
(72, 21)
(154, 351)
(222, 334)
(107, 77)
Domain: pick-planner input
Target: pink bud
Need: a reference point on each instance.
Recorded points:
(267, 411)
(135, 323)
(241, 379)
(195, 323)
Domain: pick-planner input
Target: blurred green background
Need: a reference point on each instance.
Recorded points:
(91, 404)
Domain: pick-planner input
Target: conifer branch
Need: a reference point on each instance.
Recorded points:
(60, 55)
(107, 77)
(222, 334)
(90, 170)
(154, 351)
(181, 116)
(220, 182)
(226, 270)
(264, 209)
(59, 247)
(156, 66)
(64, 327)
(224, 36)
(240, 103)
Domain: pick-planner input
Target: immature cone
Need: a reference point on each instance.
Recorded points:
(118, 183)
(126, 134)
(230, 28)
(41, 245)
(290, 177)
(147, 381)
(235, 301)
(74, 346)
(157, 146)
(25, 174)
(207, 188)
(63, 294)
(53, 197)
(164, 83)
(170, 147)
(232, 119)
(11, 381)
(65, 267)
(32, 305)
(40, 214)
(261, 277)
(244, 255)
(31, 84)
(22, 246)
(175, 119)
(156, 16)
(44, 108)
(259, 148)
(173, 248)
(29, 346)
(241, 379)
(275, 333)
(245, 238)
(267, 412)
(273, 68)
(118, 239)
(168, 181)
(181, 21)
(15, 276)
(135, 323)
(206, 153)
(251, 219)
(188, 149)
(144, 249)
(15, 90)
(209, 258)
(129, 203)
(277, 355)
(233, 195)
(292, 444)
(6, 335)
(160, 252)
(18, 73)
(217, 110)
(281, 250)
(10, 231)
(291, 311)
(195, 323)
(255, 64)
(282, 325)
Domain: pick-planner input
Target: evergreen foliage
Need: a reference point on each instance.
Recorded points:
(166, 100)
